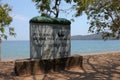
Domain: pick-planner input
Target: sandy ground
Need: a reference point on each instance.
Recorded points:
(95, 67)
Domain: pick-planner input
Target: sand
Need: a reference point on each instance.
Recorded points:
(95, 67)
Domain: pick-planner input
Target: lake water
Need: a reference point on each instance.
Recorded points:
(21, 49)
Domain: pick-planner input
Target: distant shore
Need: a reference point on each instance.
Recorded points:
(104, 66)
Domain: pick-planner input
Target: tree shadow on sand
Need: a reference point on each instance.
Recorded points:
(93, 69)
(6, 71)
(109, 71)
(98, 70)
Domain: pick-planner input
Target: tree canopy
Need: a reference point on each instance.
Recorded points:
(5, 20)
(103, 15)
(50, 7)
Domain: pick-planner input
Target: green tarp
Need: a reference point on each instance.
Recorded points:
(40, 19)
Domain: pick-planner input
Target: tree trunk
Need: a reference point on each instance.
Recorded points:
(0, 48)
(57, 3)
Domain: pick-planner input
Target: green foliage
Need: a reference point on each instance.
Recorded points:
(5, 20)
(103, 16)
(81, 6)
(49, 8)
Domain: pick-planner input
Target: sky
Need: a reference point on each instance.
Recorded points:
(24, 10)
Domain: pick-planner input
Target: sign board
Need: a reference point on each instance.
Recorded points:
(49, 41)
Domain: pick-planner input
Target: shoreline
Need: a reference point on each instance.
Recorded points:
(72, 54)
(97, 53)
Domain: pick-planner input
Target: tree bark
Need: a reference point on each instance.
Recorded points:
(0, 48)
(57, 3)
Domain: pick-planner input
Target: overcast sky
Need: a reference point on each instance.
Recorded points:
(24, 10)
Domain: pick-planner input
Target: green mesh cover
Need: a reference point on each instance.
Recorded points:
(39, 19)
